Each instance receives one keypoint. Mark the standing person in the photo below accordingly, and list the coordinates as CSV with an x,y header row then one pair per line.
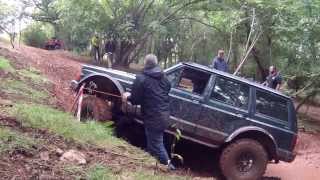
x,y
274,79
151,91
95,42
110,48
219,63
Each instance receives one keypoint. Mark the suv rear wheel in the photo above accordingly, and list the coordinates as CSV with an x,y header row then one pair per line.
x,y
245,159
95,108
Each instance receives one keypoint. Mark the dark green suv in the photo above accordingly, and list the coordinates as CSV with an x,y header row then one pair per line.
x,y
252,124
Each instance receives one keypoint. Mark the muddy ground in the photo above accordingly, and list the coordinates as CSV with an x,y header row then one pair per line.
x,y
61,67
42,161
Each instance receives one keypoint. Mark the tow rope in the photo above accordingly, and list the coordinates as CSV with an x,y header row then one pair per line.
x,y
79,98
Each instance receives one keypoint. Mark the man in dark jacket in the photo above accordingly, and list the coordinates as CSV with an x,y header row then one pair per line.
x,y
274,79
110,48
219,63
151,91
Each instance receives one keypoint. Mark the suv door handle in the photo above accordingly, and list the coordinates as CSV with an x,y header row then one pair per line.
x,y
240,115
195,101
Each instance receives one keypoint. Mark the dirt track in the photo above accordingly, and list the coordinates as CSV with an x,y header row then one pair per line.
x,y
61,67
307,163
58,66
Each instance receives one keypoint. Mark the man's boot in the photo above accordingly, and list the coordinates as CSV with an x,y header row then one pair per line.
x,y
170,166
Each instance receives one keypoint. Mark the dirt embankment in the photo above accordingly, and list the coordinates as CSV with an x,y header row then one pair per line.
x,y
61,69
43,160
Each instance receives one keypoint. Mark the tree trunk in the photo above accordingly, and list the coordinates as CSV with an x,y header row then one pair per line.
x,y
12,39
263,72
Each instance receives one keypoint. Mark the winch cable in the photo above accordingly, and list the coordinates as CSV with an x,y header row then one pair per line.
x,y
80,93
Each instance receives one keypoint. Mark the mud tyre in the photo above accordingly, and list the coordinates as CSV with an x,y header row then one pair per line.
x,y
245,159
94,108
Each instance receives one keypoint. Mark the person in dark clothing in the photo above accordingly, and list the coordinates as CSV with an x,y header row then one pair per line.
x,y
110,49
151,91
110,46
219,63
274,79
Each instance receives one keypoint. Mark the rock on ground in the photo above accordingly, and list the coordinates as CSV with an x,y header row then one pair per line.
x,y
74,156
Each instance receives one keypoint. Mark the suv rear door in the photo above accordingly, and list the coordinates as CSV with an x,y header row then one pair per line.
x,y
186,95
271,112
225,109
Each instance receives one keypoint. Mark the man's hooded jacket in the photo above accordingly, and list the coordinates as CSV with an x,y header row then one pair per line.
x,y
151,91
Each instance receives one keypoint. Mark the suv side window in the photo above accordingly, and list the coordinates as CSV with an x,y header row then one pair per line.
x,y
173,77
231,92
271,105
193,80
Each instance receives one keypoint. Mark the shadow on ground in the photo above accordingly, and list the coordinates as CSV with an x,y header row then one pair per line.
x,y
199,161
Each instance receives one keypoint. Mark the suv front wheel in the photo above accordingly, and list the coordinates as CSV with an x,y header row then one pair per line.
x,y
94,108
245,159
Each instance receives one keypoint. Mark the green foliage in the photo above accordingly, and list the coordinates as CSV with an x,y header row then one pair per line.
x,y
10,140
10,15
176,139
194,30
5,65
5,12
37,34
99,172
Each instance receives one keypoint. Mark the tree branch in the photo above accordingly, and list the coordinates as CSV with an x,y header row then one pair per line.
x,y
247,53
197,20
180,8
4,30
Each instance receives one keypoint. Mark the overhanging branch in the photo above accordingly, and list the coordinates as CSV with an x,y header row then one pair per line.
x,y
163,21
197,20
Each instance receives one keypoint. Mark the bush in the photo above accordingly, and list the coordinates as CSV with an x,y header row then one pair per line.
x,y
36,35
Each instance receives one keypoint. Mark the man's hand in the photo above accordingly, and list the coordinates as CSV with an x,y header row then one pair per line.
x,y
125,96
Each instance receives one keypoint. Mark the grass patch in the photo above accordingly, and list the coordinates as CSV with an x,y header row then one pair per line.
x,y
10,140
33,74
5,65
77,171
24,84
64,124
20,88
99,172
38,116
143,175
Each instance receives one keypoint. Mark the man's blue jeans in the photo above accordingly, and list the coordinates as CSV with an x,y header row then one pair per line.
x,y
155,145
